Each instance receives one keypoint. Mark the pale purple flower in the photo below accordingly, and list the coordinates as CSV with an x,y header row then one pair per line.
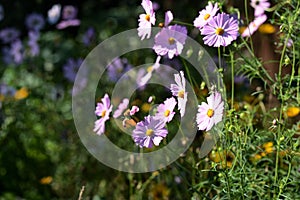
x,y
254,25
210,113
54,13
88,36
146,20
178,90
165,110
102,110
35,22
221,30
33,44
144,79
168,18
206,15
134,110
117,68
71,67
8,35
66,23
69,12
121,108
170,41
6,55
259,6
16,51
7,90
149,132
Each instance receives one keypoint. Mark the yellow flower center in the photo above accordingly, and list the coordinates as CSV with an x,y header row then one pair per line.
x,y
167,113
219,31
181,94
103,113
149,69
206,16
147,17
149,132
210,112
171,40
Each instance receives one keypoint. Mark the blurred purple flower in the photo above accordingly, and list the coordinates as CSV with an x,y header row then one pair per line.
x,y
254,25
117,68
178,90
71,67
6,55
221,30
165,110
16,50
35,22
134,110
88,36
54,13
170,41
102,110
144,79
210,113
69,12
205,15
259,6
8,35
241,79
121,108
32,43
149,132
1,12
146,20
66,23
7,90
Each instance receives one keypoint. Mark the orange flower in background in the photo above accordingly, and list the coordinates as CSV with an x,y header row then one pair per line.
x,y
225,157
159,192
292,111
267,29
21,93
46,180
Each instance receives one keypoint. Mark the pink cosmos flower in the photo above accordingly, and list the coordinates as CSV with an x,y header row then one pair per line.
x,y
210,113
165,110
121,108
259,6
221,30
205,15
148,132
254,25
145,78
178,90
146,20
170,41
102,110
168,18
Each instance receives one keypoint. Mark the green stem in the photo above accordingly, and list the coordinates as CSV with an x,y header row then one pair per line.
x,y
232,78
182,23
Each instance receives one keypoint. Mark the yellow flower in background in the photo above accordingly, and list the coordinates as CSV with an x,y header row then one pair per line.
x,y
267,28
2,97
292,111
268,147
226,158
46,180
159,192
21,93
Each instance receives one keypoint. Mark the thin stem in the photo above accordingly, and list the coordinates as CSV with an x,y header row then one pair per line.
x,y
232,78
182,23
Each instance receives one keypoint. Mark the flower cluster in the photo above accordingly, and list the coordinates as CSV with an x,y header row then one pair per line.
x,y
218,29
260,17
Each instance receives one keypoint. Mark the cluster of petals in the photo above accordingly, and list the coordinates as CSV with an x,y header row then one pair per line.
x,y
146,20
102,110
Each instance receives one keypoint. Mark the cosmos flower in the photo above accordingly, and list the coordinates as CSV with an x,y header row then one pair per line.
x,y
148,132
178,90
205,15
221,30
102,110
88,36
134,110
144,79
71,67
259,6
168,18
54,14
35,22
170,41
165,110
146,20
117,68
66,23
210,113
121,108
253,26
8,35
